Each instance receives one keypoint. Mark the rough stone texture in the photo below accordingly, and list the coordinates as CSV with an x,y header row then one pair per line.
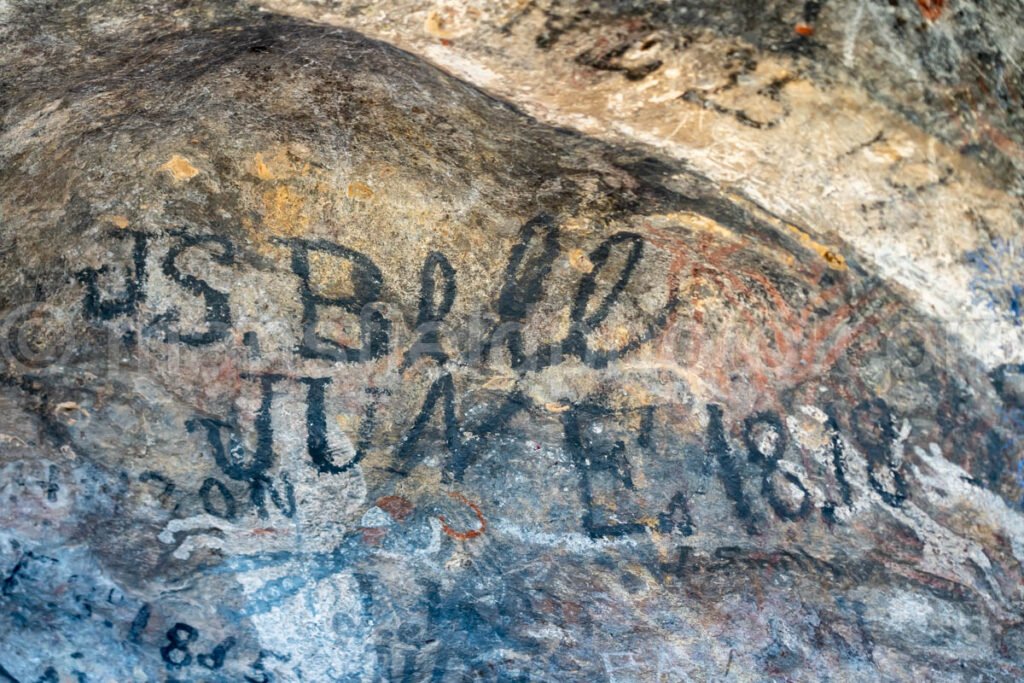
x,y
891,125
322,364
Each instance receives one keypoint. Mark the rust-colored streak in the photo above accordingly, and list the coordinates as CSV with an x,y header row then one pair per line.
x,y
931,9
464,535
805,30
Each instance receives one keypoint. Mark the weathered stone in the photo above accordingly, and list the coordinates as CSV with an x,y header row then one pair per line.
x,y
890,125
321,364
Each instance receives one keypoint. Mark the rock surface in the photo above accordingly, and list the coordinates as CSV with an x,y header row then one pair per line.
x,y
323,364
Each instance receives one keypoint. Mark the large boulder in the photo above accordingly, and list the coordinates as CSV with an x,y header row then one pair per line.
x,y
321,364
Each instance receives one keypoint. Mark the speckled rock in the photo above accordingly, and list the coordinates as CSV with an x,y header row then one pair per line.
x,y
321,364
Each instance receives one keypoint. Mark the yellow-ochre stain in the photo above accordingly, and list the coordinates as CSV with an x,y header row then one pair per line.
x,y
117,220
832,257
437,26
698,222
292,192
576,224
280,163
261,169
620,336
358,190
651,522
609,339
180,168
579,261
285,212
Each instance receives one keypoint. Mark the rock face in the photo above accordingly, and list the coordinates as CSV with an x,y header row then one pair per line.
x,y
890,124
321,364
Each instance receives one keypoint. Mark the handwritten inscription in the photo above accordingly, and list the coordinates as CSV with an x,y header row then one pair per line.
x,y
598,441
530,261
604,470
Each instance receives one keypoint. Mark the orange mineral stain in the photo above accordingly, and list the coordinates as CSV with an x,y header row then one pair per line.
x,y
805,30
579,260
261,169
285,211
931,9
358,190
117,220
180,168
